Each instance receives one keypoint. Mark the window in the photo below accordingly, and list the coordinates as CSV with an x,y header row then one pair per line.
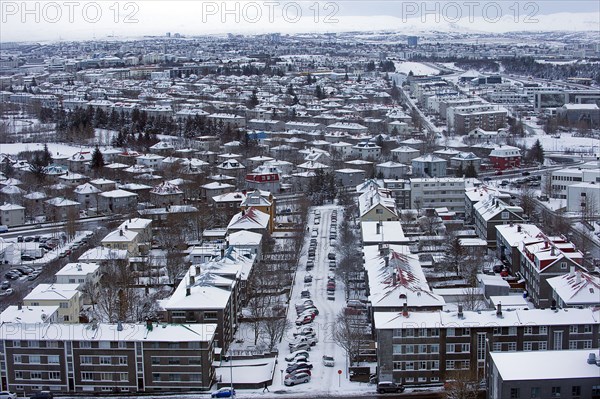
x,y
18,375
105,360
574,329
155,377
18,358
196,360
104,344
504,215
33,344
397,365
449,364
35,375
87,376
155,360
555,392
174,360
528,330
397,332
66,318
435,332
195,377
543,330
512,346
173,345
576,391
410,332
122,360
535,392
409,349
512,330
63,305
85,344
85,359
587,344
497,331
53,359
450,332
515,393
106,376
572,344
16,344
396,349
435,365
422,348
409,365
435,348
123,377
527,346
35,359
542,345
122,345
595,390
497,347
51,344
450,348
54,375
423,365
174,377
466,348
587,328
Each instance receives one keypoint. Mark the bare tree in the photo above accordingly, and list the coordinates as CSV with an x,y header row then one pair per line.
x,y
461,385
471,299
346,269
527,201
71,222
258,307
348,334
589,207
274,329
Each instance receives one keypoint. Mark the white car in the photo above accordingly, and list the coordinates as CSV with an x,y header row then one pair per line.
x,y
8,395
297,354
328,361
293,379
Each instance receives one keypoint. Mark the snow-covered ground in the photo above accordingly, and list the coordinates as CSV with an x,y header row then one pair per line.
x,y
54,148
417,68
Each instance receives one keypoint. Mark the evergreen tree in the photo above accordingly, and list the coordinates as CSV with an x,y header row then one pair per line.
x,y
536,152
253,100
459,171
470,171
46,157
359,79
290,90
97,159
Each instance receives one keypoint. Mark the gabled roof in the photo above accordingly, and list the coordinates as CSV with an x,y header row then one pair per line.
x,y
86,188
250,219
577,288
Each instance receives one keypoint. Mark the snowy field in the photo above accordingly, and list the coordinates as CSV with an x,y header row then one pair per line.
x,y
417,68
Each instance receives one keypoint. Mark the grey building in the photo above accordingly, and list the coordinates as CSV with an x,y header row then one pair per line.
x,y
571,374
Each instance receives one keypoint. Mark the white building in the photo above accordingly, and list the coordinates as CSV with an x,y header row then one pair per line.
x,y
445,192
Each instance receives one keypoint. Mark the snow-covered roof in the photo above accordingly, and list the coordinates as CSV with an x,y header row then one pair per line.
x,y
250,219
166,188
577,288
77,269
244,237
514,234
372,198
60,201
509,318
105,331
99,254
387,232
117,194
86,188
28,314
52,292
397,280
120,235
11,207
545,365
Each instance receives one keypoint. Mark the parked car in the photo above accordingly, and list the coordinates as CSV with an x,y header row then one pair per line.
x,y
389,387
302,346
5,285
307,319
312,341
27,258
308,278
331,295
298,359
293,379
42,395
7,292
297,354
32,276
297,366
525,173
226,392
305,294
11,275
310,264
8,395
328,361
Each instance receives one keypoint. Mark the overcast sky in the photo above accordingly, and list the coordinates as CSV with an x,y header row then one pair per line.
x,y
56,20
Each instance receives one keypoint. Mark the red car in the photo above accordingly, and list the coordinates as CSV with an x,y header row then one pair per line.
x,y
307,319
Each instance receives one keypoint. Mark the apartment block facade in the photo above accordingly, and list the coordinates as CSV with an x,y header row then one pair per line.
x,y
431,347
106,358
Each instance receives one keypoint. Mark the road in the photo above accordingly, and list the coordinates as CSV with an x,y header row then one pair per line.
x,y
51,227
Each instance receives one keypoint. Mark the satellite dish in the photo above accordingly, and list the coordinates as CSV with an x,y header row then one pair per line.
x,y
44,316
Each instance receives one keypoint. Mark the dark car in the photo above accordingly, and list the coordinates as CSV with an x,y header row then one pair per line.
x,y
5,285
298,366
224,393
389,387
525,173
12,276
42,395
27,258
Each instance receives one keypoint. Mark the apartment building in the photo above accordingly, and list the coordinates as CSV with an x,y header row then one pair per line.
x,y
563,178
538,375
543,259
65,296
12,215
430,347
446,192
98,358
493,212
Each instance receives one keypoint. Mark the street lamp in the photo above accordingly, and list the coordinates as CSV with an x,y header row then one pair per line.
x,y
281,370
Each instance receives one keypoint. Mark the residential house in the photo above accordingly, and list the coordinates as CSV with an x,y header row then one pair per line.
x,y
250,219
87,195
78,273
576,289
445,192
123,239
505,157
65,296
428,166
166,194
60,209
117,201
377,205
12,215
492,212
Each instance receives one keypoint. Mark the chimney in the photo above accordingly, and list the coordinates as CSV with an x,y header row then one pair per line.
x,y
553,306
460,312
120,232
20,306
188,291
197,270
378,228
126,228
405,309
552,251
243,212
578,277
394,279
572,271
119,326
148,324
387,261
192,279
222,252
519,228
499,310
591,358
